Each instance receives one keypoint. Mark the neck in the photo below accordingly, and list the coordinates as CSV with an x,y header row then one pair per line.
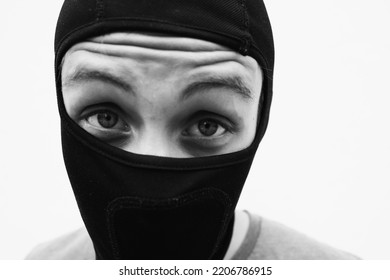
x,y
240,228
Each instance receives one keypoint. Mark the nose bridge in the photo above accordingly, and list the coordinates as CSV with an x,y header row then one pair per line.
x,y
154,140
156,102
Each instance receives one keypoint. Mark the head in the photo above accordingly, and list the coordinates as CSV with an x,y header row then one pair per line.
x,y
162,95
162,105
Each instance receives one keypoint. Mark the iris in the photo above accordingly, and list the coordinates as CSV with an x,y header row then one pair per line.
x,y
107,119
208,127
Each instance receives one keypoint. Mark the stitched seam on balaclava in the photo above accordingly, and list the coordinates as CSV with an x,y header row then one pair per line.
x,y
246,42
99,9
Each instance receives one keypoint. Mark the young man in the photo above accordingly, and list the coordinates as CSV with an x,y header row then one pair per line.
x,y
163,105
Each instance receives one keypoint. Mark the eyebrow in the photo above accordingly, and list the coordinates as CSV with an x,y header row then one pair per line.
x,y
85,75
233,83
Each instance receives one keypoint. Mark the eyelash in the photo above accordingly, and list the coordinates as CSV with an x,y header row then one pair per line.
x,y
110,135
190,139
107,112
228,127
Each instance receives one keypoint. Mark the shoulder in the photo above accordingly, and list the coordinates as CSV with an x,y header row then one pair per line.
x,y
76,245
277,241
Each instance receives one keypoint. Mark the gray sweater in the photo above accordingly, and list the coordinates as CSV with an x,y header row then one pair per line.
x,y
264,240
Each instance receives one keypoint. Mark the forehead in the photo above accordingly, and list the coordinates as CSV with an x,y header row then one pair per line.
x,y
158,56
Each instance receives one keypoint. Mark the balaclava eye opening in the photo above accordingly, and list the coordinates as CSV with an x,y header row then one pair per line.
x,y
148,207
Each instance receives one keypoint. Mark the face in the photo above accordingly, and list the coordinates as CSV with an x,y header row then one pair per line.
x,y
163,96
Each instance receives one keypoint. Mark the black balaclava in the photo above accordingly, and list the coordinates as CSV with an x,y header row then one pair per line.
x,y
148,207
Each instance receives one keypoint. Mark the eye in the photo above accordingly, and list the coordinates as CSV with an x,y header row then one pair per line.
x,y
105,119
105,123
208,133
206,128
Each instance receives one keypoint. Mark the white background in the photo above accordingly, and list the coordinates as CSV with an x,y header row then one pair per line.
x,y
323,167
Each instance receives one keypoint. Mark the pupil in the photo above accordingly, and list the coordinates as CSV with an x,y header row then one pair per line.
x,y
107,120
207,127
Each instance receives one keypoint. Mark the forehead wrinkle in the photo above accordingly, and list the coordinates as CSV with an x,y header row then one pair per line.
x,y
178,60
158,41
242,74
209,52
143,54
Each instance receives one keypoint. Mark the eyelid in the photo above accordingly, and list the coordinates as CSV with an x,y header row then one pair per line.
x,y
101,107
212,141
225,122
199,145
199,136
93,110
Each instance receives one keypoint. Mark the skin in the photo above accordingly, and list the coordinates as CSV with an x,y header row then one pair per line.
x,y
162,96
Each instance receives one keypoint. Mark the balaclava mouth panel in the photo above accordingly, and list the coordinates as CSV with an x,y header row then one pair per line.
x,y
148,207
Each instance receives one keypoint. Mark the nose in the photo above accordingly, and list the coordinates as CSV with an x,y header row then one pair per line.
x,y
155,142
